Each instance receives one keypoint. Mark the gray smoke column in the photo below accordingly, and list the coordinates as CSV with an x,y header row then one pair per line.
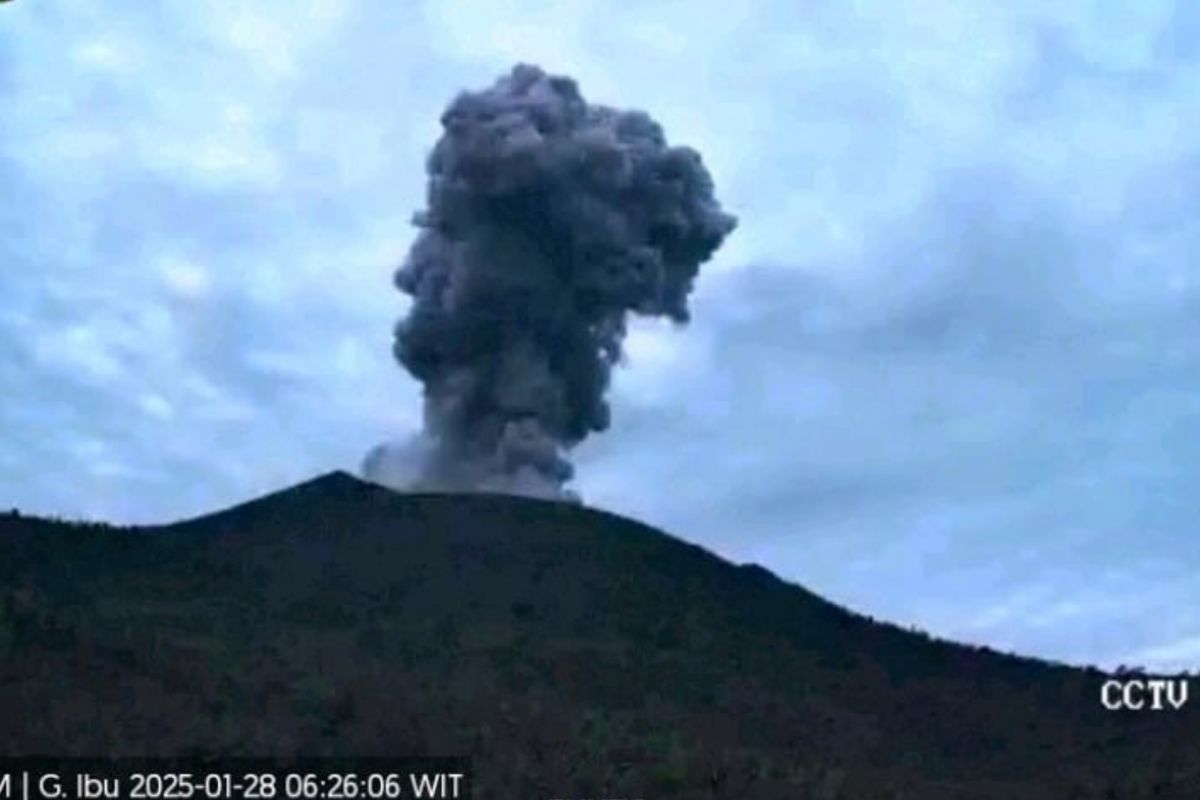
x,y
548,221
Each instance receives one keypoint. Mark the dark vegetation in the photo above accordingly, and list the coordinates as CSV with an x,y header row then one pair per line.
x,y
570,653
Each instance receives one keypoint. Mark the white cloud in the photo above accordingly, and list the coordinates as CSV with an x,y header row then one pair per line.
x,y
266,42
78,350
184,279
157,406
1173,656
107,55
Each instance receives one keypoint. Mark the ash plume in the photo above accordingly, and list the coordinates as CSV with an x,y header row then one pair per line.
x,y
548,220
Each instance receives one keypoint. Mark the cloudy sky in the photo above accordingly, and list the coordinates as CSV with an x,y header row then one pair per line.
x,y
945,372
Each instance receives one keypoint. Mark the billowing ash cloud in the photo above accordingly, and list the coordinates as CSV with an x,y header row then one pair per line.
x,y
548,220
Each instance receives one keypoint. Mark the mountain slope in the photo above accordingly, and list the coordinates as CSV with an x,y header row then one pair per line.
x,y
569,651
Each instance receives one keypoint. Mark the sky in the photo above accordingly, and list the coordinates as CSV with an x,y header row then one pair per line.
x,y
944,372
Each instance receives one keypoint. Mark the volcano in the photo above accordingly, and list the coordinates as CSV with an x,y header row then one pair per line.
x,y
567,651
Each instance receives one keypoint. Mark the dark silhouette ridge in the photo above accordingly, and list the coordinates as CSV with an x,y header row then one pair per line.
x,y
569,651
